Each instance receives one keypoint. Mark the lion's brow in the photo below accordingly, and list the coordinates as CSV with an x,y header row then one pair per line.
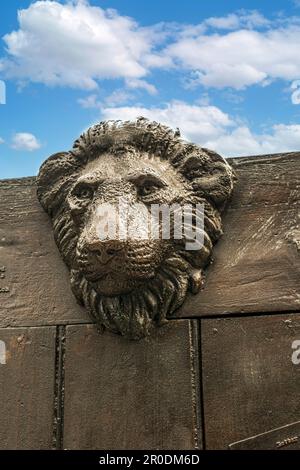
x,y
91,178
140,175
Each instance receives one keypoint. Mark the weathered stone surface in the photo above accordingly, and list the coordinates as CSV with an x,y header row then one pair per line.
x,y
128,278
256,264
250,383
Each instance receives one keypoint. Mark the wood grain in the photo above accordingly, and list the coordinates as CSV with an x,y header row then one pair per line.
x,y
131,395
256,265
27,388
34,276
250,383
118,394
284,438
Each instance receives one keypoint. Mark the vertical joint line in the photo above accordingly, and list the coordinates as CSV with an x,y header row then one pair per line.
x,y
58,424
201,382
196,403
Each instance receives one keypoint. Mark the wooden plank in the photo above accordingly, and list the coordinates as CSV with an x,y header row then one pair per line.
x,y
256,264
131,395
35,281
251,386
27,388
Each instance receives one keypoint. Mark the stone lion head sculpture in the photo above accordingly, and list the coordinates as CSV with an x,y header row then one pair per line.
x,y
130,284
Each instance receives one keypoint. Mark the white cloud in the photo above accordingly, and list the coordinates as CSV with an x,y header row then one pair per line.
x,y
90,101
295,97
239,58
242,19
212,128
25,141
1,141
203,100
224,22
241,141
143,84
75,44
197,123
116,98
232,97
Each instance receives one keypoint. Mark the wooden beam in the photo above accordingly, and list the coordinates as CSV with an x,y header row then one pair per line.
x,y
256,265
132,395
27,388
250,383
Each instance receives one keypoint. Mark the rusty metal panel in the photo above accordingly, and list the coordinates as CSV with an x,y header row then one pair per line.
x,y
27,376
251,381
131,395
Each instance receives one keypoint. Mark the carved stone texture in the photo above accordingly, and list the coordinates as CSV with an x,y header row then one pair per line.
x,y
130,284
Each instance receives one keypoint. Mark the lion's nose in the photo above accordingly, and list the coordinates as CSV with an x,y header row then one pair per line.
x,y
105,250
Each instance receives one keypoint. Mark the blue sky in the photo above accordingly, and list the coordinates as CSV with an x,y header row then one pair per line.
x,y
227,73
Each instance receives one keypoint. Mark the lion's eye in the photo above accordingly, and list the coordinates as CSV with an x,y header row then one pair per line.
x,y
147,189
84,192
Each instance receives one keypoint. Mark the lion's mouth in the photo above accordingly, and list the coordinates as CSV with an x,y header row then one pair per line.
x,y
108,281
94,277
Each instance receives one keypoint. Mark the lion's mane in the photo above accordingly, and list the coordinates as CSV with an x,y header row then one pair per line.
x,y
210,180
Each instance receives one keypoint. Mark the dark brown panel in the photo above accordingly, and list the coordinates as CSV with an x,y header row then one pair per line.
x,y
284,438
256,264
251,385
35,279
131,395
27,388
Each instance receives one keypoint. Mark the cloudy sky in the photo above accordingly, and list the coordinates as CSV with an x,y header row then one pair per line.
x,y
227,73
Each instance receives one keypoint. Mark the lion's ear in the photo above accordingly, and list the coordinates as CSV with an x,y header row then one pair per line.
x,y
53,178
210,176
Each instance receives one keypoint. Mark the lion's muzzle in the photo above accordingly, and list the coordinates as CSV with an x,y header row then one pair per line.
x,y
113,258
